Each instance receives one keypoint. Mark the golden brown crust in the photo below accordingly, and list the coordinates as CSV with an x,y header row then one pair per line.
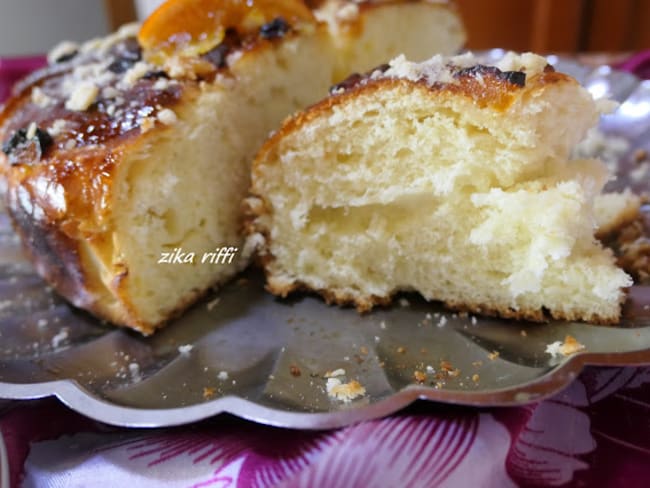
x,y
367,303
492,91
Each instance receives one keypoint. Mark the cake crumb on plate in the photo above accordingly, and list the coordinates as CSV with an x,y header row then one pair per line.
x,y
566,348
346,392
335,373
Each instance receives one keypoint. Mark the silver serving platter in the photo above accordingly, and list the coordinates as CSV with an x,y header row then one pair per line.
x,y
257,357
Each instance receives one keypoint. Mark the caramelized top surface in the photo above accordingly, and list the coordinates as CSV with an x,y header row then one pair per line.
x,y
486,85
65,128
194,27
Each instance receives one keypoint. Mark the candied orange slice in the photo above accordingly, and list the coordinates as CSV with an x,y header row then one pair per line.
x,y
193,27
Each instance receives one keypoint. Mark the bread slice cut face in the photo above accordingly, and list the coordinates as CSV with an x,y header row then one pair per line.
x,y
448,177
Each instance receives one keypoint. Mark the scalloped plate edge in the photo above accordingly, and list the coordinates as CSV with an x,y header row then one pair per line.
x,y
80,400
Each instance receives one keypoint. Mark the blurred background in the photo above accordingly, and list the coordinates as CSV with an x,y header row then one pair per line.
x,y
566,26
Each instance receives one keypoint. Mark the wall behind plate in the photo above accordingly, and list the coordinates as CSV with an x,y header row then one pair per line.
x,y
34,26
145,7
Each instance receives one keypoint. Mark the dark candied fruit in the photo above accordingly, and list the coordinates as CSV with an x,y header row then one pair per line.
x,y
217,56
350,82
355,79
17,138
154,75
382,68
515,77
120,66
44,139
128,49
41,142
275,29
66,57
126,53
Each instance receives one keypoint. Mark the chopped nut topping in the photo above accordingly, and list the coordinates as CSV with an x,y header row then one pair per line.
x,y
31,131
57,127
167,116
40,98
147,123
62,52
136,72
83,96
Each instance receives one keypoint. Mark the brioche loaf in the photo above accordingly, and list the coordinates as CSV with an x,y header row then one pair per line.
x,y
126,160
448,177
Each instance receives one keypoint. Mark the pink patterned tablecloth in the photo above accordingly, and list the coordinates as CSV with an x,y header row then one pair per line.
x,y
595,433
13,69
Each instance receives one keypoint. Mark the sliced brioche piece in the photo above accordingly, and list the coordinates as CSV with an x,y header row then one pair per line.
x,y
127,159
447,177
369,32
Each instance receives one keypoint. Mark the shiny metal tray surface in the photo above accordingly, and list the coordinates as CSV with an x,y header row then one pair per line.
x,y
244,352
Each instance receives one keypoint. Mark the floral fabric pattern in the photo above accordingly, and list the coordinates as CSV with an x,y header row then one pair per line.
x,y
594,433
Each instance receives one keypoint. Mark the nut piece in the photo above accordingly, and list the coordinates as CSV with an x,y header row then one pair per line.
x,y
167,116
83,96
